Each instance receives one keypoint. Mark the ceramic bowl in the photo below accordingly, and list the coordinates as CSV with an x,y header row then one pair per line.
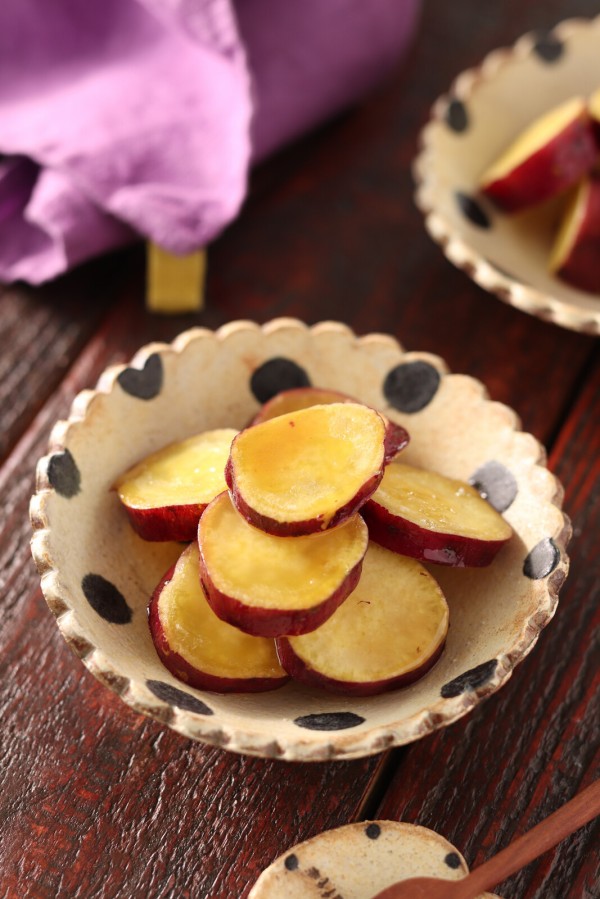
x,y
484,110
97,575
359,860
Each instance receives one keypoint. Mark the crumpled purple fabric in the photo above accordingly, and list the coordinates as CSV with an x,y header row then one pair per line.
x,y
123,118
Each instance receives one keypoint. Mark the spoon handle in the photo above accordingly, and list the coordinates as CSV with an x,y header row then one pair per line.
x,y
569,818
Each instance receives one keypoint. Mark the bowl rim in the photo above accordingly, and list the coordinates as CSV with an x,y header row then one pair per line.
x,y
457,249
337,744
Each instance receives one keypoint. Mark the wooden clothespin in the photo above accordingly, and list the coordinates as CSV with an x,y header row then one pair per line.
x,y
174,284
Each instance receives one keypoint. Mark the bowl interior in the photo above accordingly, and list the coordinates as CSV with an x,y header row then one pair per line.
x,y
490,108
99,574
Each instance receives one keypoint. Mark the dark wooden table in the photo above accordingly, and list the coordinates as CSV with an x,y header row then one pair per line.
x,y
97,801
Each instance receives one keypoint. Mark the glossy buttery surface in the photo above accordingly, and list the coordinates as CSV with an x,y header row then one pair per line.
x,y
203,640
439,504
183,473
276,572
307,464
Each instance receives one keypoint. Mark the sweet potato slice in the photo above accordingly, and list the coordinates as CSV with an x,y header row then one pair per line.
x,y
435,519
594,110
309,470
165,494
305,397
200,649
269,585
389,632
298,398
547,158
576,253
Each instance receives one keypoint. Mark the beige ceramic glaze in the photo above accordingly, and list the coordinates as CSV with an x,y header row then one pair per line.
x,y
509,90
360,860
97,575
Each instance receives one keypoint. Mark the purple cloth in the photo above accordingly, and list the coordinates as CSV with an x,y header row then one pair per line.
x,y
131,117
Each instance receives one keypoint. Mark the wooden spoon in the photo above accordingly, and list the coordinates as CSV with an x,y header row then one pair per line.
x,y
562,823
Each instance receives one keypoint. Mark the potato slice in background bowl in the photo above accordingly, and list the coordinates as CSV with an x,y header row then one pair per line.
x,y
485,110
576,253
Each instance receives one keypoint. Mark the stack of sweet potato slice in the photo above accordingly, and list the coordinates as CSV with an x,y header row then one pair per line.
x,y
306,542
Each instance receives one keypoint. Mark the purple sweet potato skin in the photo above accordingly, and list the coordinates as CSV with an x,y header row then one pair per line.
x,y
409,539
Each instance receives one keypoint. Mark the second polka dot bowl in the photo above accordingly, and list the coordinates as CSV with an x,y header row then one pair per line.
x,y
485,109
359,860
97,575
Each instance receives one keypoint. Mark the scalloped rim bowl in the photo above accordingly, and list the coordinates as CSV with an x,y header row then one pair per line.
x,y
483,112
360,860
97,575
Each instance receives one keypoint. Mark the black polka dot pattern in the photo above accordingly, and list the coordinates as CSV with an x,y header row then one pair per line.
x,y
373,831
496,484
452,860
411,386
472,211
470,680
105,599
329,721
179,698
275,375
291,862
145,383
548,47
63,474
457,116
542,560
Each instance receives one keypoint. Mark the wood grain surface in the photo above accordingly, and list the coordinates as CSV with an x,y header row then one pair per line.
x,y
97,801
